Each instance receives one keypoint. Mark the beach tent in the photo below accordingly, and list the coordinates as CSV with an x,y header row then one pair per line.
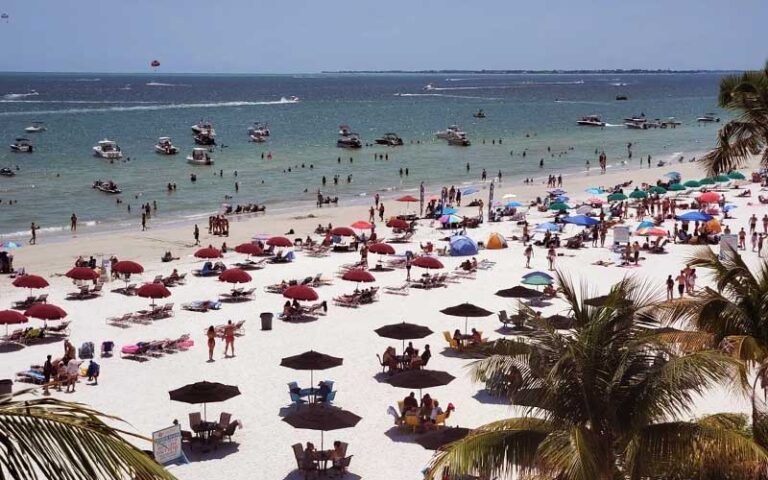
x,y
462,246
537,278
495,242
581,220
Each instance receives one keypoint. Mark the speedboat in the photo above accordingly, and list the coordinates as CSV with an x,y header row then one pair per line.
x,y
591,121
259,129
448,132
7,172
429,86
165,146
22,145
257,138
455,136
390,139
347,138
480,114
708,118
107,186
671,122
205,138
636,124
199,157
36,127
636,119
203,127
108,149
621,97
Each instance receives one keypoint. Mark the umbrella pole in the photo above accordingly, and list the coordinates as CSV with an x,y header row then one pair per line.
x,y
312,384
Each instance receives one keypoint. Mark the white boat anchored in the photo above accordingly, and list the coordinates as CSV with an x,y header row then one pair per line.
x,y
708,118
36,127
164,146
348,139
591,121
107,186
203,127
260,129
108,149
199,156
22,145
455,136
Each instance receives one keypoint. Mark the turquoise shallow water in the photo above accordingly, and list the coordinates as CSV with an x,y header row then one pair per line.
x,y
529,112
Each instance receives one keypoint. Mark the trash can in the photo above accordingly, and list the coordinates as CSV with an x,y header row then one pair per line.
x,y
6,386
266,320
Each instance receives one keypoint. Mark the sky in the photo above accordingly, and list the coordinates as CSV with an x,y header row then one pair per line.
x,y
304,36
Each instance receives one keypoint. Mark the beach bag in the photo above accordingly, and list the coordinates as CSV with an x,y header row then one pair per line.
x,y
106,348
86,350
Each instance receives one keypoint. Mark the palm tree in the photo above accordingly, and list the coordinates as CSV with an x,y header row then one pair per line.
x,y
746,94
49,438
605,402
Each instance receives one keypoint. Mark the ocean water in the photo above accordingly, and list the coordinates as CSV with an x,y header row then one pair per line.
x,y
528,112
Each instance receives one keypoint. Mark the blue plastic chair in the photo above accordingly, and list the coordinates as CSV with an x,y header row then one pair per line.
x,y
331,397
292,385
296,399
329,383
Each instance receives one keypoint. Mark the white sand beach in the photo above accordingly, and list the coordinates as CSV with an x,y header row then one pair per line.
x,y
138,391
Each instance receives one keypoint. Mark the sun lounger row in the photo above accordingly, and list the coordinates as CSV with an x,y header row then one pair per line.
x,y
29,301
142,316
238,295
305,314
209,269
128,290
143,351
33,335
361,297
316,281
86,293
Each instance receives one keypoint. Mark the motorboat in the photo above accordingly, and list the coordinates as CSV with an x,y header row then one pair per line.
x,y
448,132
205,138
708,118
36,127
107,186
390,139
429,86
199,156
671,122
347,138
479,114
257,138
22,145
621,97
164,146
636,124
203,127
260,129
455,136
108,149
636,119
7,172
591,121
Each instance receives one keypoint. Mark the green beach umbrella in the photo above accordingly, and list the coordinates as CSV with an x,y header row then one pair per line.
x,y
638,194
616,197
692,184
736,176
557,206
657,189
537,279
676,187
722,178
707,181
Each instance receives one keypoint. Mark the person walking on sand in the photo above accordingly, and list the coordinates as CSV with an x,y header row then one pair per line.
x,y
33,230
229,338
211,334
381,212
372,213
196,234
73,223
528,255
681,282
143,221
742,239
408,266
670,288
765,223
551,255
47,372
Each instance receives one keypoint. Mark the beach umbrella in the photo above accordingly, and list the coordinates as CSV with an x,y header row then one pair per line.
x,y
427,262
709,197
30,281
638,194
8,245
358,275
205,393
301,292
595,201
342,232
362,225
537,278
403,331
562,199
582,220
127,267
729,207
235,275
658,190
672,175
462,246
677,187
82,273
692,184
652,232
513,204
321,417
713,226
560,322
153,291
707,181
249,249
407,199
311,360
469,191
736,176
645,224
495,241
595,191
722,178
45,311
208,252
548,226
617,197
382,248
556,191
557,206
450,219
420,379
398,224
447,211
694,216
279,242
519,292
11,317
441,437
466,310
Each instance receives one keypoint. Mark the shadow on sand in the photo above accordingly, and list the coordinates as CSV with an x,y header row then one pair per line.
x,y
484,396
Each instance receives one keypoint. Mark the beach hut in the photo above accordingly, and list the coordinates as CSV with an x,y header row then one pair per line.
x,y
495,242
462,246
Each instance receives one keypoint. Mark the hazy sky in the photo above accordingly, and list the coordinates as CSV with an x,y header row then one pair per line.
x,y
314,35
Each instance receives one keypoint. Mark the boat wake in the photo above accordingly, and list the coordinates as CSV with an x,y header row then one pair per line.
x,y
431,87
138,108
161,84
444,95
13,96
88,80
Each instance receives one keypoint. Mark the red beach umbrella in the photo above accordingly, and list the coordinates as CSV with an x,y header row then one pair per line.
x,y
279,242
408,199
709,197
301,292
343,232
427,262
82,273
45,311
127,267
208,252
30,281
153,291
235,275
382,248
249,249
362,225
398,223
11,317
358,275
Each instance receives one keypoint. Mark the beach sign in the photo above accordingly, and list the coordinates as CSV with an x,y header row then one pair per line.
x,y
166,445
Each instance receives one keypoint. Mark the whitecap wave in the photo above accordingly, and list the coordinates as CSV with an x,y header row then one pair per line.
x,y
87,79
13,96
162,84
135,108
618,84
82,102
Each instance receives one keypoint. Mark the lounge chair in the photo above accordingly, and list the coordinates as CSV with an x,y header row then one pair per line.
x,y
129,290
24,304
201,305
503,318
401,290
406,238
451,341
342,465
121,321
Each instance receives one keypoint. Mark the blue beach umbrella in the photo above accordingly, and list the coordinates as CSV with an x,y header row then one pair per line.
x,y
582,220
547,226
513,204
694,217
595,191
562,199
672,175
469,191
645,224
462,246
729,207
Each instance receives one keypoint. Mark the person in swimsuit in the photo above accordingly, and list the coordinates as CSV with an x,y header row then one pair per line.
x,y
211,334
229,338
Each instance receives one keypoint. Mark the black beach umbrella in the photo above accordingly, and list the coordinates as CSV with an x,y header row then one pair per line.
x,y
560,322
323,418
466,310
438,438
204,392
421,379
403,331
311,361
603,300
519,292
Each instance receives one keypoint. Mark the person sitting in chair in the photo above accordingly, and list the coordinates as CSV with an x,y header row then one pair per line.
x,y
410,404
322,392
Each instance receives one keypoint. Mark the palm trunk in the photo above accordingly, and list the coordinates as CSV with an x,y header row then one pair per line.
x,y
759,416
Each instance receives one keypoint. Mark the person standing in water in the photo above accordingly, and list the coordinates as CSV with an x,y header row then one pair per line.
x,y
33,230
73,223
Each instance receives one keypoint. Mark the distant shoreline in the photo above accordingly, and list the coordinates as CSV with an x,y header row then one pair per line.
x,y
531,72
